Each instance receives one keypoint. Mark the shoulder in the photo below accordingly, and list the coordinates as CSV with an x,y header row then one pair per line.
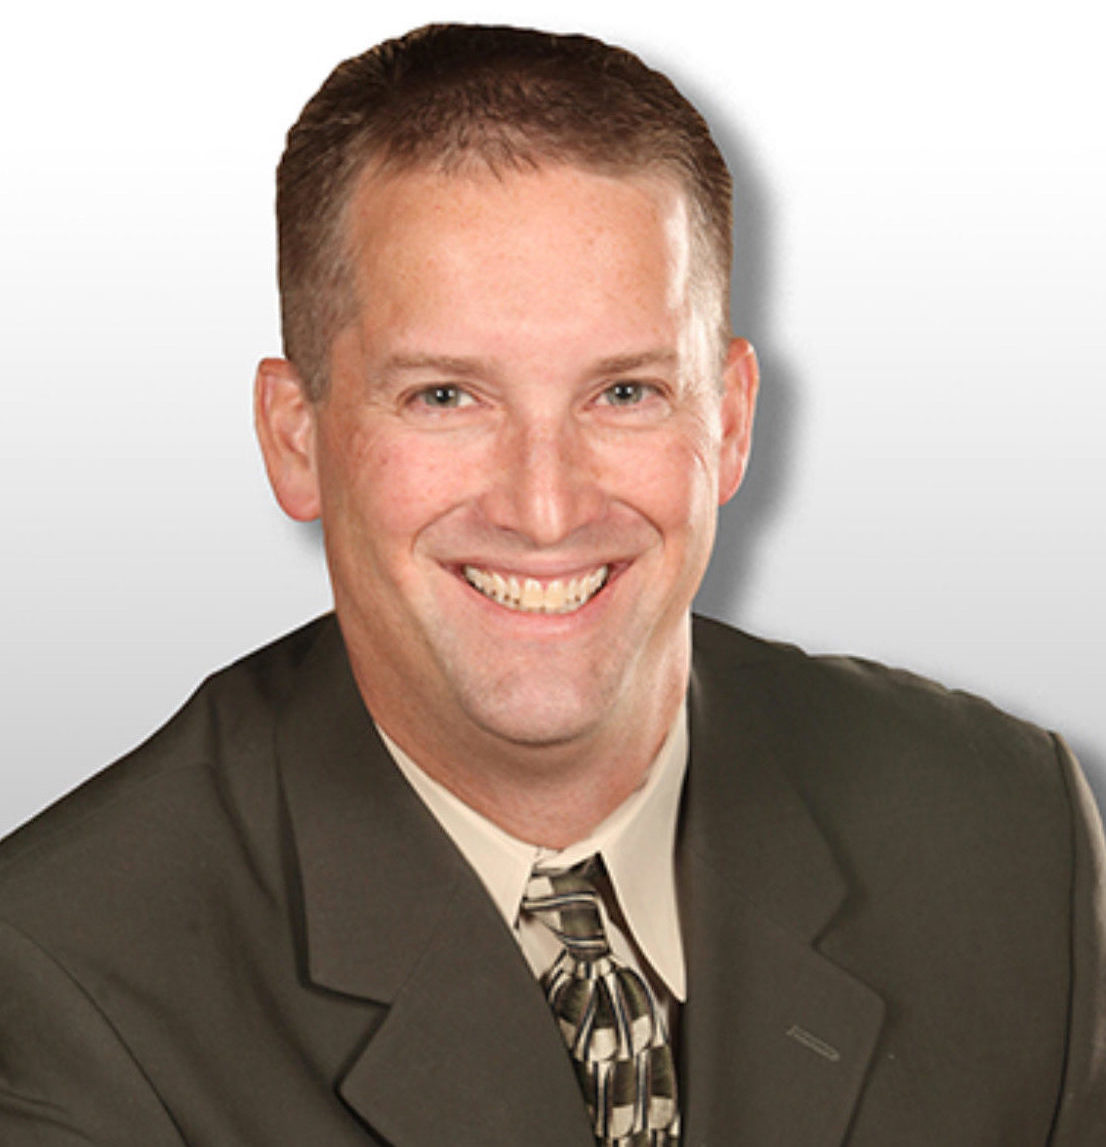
x,y
945,814
875,750
852,699
203,782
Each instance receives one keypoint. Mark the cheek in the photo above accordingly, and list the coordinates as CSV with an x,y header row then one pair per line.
x,y
671,478
389,485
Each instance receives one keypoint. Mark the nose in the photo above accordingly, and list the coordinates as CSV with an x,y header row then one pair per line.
x,y
546,484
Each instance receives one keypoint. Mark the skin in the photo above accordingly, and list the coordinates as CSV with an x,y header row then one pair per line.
x,y
527,390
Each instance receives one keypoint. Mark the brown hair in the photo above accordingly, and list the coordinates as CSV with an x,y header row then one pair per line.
x,y
446,96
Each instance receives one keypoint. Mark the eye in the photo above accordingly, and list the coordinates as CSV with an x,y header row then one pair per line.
x,y
443,397
627,393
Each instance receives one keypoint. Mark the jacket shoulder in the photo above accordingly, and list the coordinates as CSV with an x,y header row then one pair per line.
x,y
856,701
215,747
883,756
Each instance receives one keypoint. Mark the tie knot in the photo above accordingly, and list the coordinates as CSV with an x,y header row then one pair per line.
x,y
567,903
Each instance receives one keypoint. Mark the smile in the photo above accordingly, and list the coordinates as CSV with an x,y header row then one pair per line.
x,y
528,595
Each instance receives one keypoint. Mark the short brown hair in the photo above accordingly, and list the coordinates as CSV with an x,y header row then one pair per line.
x,y
447,95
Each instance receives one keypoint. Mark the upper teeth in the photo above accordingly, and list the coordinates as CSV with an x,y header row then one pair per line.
x,y
532,596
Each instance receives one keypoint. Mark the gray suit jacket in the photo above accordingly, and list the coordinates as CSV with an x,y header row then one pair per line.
x,y
251,932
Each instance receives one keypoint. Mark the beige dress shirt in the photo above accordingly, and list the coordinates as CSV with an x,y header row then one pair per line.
x,y
637,843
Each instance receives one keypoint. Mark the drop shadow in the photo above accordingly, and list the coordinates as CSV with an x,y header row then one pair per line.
x,y
743,523
1093,762
310,536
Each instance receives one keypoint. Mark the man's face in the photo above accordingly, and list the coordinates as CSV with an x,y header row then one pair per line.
x,y
520,456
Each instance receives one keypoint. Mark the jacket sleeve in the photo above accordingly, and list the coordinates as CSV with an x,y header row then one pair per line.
x,y
66,1079
1081,1113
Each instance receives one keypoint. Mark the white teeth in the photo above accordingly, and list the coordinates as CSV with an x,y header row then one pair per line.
x,y
531,596
554,597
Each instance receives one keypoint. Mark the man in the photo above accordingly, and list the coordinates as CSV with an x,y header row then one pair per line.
x,y
505,851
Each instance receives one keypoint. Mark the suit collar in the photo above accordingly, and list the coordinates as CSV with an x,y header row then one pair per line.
x,y
743,817
377,873
637,843
776,1039
390,912
375,877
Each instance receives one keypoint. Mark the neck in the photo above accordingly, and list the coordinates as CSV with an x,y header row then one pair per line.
x,y
547,795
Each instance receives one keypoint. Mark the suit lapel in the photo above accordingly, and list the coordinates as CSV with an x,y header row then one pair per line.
x,y
466,1052
776,1039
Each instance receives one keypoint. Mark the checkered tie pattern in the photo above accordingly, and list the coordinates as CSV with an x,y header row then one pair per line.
x,y
608,1016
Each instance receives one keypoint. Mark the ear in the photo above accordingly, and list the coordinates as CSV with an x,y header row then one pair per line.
x,y
284,418
741,378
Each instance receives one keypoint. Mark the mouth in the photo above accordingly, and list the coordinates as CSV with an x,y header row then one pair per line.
x,y
531,595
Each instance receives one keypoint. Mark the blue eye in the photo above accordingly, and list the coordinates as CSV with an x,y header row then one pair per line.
x,y
443,397
627,393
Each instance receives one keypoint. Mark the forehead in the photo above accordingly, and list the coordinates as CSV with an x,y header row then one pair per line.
x,y
544,231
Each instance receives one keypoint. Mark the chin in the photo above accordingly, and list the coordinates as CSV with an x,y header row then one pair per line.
x,y
536,715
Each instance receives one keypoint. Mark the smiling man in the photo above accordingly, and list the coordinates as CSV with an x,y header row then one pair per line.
x,y
518,460
508,850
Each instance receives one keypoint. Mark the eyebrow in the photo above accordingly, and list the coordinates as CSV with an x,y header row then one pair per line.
x,y
447,364
628,363
465,367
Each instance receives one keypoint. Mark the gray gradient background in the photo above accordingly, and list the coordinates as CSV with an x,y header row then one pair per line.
x,y
921,246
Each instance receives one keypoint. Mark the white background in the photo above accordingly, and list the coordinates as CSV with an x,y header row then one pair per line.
x,y
922,191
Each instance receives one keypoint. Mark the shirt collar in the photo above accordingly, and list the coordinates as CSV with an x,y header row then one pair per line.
x,y
637,843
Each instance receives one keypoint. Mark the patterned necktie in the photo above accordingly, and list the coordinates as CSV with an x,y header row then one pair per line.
x,y
608,1016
